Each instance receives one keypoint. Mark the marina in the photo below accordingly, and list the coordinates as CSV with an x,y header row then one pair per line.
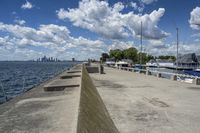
x,y
99,66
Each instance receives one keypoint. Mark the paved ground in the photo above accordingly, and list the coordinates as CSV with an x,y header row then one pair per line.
x,y
38,111
138,103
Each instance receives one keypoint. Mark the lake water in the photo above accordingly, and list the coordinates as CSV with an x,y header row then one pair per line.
x,y
19,77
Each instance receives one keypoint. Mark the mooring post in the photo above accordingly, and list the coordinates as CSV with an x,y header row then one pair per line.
x,y
148,72
101,69
196,81
174,77
159,75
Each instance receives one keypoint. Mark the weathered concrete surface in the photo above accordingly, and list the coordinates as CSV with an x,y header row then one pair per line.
x,y
61,84
74,71
145,104
92,69
38,111
69,75
93,115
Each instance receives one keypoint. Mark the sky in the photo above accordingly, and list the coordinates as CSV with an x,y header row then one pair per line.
x,y
84,29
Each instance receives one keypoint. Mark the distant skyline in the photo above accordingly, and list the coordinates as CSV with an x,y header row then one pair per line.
x,y
67,29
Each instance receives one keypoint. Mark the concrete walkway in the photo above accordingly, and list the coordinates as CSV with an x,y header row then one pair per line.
x,y
145,104
39,111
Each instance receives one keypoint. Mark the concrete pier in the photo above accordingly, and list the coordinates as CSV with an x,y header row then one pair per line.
x,y
41,111
112,102
146,104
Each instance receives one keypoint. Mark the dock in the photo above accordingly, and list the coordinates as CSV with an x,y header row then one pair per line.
x,y
85,100
140,103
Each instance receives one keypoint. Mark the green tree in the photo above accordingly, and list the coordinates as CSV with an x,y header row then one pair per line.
x,y
104,56
167,57
142,57
149,57
117,54
131,53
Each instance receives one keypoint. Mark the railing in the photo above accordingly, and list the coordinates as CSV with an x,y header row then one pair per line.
x,y
173,76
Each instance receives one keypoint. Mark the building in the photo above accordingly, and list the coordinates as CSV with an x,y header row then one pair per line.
x,y
187,61
47,59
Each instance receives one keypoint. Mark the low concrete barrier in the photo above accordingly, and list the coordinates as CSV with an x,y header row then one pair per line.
x,y
92,69
93,116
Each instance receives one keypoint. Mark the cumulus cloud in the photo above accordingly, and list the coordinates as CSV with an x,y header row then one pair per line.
x,y
161,48
137,7
195,18
27,5
109,22
52,38
120,45
20,22
147,2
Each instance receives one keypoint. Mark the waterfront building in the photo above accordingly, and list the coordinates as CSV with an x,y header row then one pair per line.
x,y
187,61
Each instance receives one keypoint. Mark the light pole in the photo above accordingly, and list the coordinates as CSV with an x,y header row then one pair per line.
x,y
141,46
177,39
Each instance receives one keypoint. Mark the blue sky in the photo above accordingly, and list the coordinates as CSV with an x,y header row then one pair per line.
x,y
84,29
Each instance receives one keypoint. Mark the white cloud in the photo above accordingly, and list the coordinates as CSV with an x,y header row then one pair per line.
x,y
120,45
162,48
20,22
52,38
140,5
195,18
196,35
27,5
110,22
137,7
134,5
147,2
99,18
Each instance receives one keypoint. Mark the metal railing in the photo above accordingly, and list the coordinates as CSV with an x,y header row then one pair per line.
x,y
159,73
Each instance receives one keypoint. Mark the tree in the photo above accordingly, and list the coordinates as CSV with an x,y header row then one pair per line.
x,y
104,56
143,57
131,53
167,57
149,57
117,54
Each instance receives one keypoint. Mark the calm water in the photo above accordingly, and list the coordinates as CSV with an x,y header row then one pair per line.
x,y
19,77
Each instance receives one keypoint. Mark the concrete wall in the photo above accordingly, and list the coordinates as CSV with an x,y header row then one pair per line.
x,y
93,116
92,69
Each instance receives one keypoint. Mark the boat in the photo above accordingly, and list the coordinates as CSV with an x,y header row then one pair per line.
x,y
191,72
124,63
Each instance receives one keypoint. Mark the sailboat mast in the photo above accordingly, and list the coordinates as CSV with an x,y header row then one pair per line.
x,y
177,39
141,45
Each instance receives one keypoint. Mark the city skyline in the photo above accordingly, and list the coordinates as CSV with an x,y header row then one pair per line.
x,y
84,29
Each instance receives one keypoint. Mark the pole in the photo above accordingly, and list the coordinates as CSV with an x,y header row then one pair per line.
x,y
141,46
177,39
